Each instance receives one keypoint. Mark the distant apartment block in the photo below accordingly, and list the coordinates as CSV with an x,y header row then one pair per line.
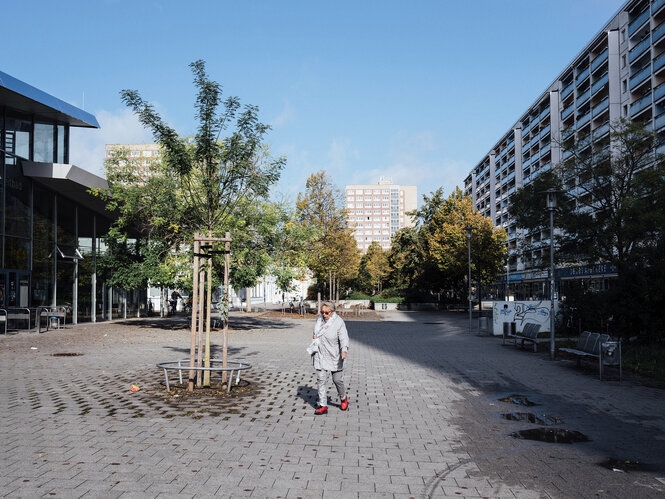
x,y
377,211
620,73
143,156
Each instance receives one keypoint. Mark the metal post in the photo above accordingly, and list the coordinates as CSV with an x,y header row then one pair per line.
x,y
469,232
552,283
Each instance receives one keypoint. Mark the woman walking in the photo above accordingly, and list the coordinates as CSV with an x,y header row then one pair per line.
x,y
333,345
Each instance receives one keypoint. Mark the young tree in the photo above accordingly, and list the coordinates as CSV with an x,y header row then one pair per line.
x,y
375,263
333,254
211,176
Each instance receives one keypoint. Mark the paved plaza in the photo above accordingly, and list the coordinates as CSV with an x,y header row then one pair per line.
x,y
425,418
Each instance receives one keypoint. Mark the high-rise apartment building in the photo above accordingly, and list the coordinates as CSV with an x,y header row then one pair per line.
x,y
620,73
377,211
142,156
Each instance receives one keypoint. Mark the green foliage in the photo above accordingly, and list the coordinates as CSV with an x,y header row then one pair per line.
x,y
357,295
611,208
331,251
212,183
386,299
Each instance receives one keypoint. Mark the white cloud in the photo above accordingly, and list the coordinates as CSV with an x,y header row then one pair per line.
x,y
87,146
285,117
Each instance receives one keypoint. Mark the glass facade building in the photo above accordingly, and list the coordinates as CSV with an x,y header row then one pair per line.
x,y
51,227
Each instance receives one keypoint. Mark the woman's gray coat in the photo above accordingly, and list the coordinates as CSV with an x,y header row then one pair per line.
x,y
333,340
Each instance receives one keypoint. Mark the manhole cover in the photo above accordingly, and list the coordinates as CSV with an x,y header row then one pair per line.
x,y
551,435
531,418
517,399
66,354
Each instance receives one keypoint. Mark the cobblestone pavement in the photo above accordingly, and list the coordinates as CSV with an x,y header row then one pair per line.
x,y
424,420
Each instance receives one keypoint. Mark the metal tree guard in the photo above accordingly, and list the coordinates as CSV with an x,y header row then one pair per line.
x,y
203,249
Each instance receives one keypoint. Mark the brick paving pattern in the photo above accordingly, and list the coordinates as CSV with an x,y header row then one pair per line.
x,y
424,420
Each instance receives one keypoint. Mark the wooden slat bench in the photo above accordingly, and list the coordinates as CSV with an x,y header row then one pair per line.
x,y
529,334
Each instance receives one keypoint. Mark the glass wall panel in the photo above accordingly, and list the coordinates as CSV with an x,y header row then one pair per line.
x,y
102,226
17,139
17,253
17,222
43,213
65,285
44,143
42,273
66,210
87,265
62,150
3,290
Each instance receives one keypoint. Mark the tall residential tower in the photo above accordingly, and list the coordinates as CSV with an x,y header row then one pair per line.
x,y
620,73
378,211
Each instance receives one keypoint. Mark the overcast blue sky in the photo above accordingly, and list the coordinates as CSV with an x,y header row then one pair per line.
x,y
416,90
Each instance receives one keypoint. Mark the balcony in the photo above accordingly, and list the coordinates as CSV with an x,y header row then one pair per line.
x,y
599,84
599,60
659,91
638,22
659,62
582,98
545,149
567,153
566,112
640,104
657,4
658,33
545,131
545,113
582,76
639,49
659,121
641,75
583,120
601,131
566,90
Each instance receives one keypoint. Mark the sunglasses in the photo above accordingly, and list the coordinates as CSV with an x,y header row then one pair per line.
x,y
323,312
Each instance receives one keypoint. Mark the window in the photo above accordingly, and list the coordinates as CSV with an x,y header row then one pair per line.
x,y
625,110
135,153
147,154
623,61
623,35
624,86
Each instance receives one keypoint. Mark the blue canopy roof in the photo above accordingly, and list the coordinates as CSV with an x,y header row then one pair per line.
x,y
23,97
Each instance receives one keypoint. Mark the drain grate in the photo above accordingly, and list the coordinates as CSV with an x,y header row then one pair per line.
x,y
66,354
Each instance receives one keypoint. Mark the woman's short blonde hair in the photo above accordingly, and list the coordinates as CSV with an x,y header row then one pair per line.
x,y
328,304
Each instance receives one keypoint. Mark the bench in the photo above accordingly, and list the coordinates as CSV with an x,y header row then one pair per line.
x,y
14,314
591,345
48,314
528,334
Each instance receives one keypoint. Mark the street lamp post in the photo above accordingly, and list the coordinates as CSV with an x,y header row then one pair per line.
x,y
469,233
551,206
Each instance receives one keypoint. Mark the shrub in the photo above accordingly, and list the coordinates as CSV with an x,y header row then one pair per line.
x,y
386,299
357,295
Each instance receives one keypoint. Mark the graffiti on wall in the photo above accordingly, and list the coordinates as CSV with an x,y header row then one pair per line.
x,y
521,313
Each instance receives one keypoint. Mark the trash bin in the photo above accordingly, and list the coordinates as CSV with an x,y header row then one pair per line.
x,y
611,354
509,328
483,323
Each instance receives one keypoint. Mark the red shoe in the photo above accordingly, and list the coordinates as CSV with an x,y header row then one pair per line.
x,y
345,404
321,410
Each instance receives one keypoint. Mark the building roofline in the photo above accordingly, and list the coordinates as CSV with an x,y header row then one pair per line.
x,y
25,97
